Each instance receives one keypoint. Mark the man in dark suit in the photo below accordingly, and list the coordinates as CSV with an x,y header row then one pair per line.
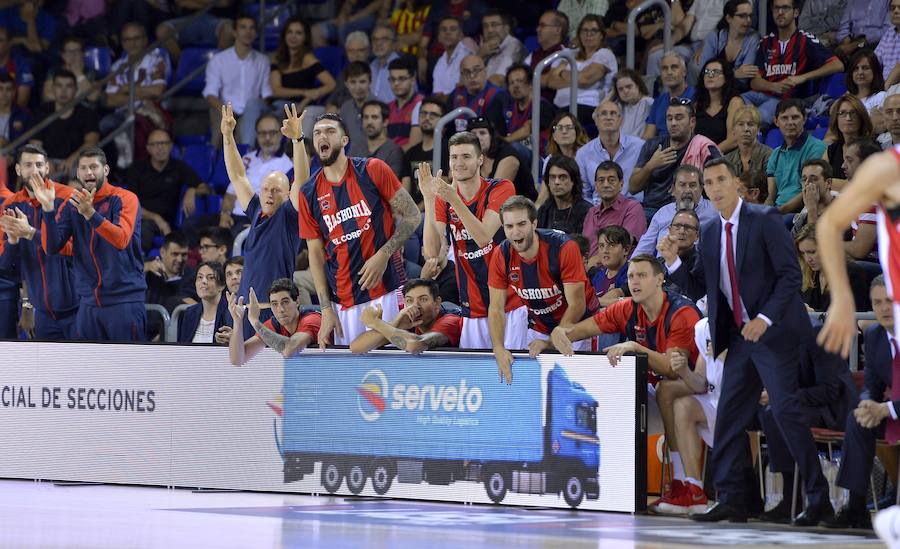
x,y
827,393
749,271
873,416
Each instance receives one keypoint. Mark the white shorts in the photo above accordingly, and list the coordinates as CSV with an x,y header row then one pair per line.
x,y
708,405
476,332
350,318
589,344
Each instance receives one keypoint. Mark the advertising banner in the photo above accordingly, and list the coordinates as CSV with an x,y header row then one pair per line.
x,y
568,432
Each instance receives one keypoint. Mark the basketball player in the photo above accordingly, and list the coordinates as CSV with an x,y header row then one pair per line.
x,y
468,210
347,217
546,270
876,181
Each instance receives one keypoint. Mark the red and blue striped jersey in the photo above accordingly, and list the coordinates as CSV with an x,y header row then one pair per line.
x,y
471,260
353,217
539,281
801,54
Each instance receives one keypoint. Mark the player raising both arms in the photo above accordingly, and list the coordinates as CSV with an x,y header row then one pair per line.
x,y
877,181
347,216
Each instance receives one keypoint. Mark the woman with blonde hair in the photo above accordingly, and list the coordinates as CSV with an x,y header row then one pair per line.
x,y
814,287
750,155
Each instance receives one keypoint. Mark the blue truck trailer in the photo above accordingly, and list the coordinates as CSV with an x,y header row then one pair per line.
x,y
439,419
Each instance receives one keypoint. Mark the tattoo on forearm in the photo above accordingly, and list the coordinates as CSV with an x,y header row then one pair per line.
x,y
399,342
402,206
270,338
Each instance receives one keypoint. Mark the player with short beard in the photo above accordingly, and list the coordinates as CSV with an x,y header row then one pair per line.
x,y
347,217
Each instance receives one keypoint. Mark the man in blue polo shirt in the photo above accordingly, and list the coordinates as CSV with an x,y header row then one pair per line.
x,y
673,73
271,247
783,170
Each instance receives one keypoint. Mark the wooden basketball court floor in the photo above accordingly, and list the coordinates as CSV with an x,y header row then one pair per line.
x,y
48,515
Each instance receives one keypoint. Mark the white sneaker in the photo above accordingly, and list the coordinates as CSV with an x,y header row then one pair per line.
x,y
887,526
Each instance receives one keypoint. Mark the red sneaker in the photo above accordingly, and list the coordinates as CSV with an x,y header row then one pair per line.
x,y
673,490
691,499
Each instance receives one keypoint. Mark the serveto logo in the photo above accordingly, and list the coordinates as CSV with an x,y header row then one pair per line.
x,y
371,394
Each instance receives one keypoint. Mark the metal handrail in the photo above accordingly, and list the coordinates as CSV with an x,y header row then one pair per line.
x,y
632,27
854,349
162,312
536,102
172,328
240,238
37,128
763,17
439,133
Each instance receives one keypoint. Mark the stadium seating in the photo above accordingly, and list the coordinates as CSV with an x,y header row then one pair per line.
x,y
98,59
200,158
191,59
774,138
332,58
219,178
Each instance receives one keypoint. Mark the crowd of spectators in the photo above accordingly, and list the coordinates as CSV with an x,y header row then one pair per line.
x,y
621,163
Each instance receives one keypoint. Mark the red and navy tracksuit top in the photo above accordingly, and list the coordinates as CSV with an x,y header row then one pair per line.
x,y
50,277
9,274
106,249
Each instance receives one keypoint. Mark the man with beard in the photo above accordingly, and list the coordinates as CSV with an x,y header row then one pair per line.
x,y
545,269
687,193
467,214
271,247
353,204
48,277
103,222
517,115
566,209
421,325
374,116
431,110
477,92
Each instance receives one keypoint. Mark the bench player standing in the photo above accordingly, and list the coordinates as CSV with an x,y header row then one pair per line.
x,y
347,216
468,210
545,268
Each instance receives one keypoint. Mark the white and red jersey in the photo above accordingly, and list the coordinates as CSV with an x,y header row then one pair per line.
x,y
888,224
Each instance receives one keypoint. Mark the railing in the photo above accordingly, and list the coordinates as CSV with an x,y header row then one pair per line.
x,y
632,27
763,17
439,132
172,328
166,318
242,236
819,316
536,103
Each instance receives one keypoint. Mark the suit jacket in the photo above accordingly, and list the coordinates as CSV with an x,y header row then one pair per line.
x,y
768,274
879,367
826,386
190,319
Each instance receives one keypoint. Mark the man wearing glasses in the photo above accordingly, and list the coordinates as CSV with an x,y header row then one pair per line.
x,y
430,111
610,144
403,120
446,74
477,92
790,62
499,49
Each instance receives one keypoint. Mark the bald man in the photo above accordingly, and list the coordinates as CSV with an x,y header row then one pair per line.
x,y
270,249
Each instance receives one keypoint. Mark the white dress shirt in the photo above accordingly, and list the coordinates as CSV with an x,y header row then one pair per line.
x,y
891,343
724,279
237,81
446,70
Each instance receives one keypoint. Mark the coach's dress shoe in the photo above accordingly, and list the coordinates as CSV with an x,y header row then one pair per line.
x,y
813,515
721,511
850,518
780,514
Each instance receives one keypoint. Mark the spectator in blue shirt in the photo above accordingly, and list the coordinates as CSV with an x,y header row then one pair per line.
x,y
673,73
30,26
17,67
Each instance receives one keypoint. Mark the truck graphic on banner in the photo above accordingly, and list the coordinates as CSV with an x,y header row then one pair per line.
x,y
439,419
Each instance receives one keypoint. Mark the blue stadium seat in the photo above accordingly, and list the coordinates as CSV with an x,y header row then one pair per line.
x,y
835,85
176,152
219,178
99,59
819,133
192,139
531,43
200,158
192,58
774,138
332,58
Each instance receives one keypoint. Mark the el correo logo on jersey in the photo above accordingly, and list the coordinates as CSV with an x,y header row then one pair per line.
x,y
360,209
373,392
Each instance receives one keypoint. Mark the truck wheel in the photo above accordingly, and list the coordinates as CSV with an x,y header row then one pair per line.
x,y
382,477
356,479
495,483
332,476
573,491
